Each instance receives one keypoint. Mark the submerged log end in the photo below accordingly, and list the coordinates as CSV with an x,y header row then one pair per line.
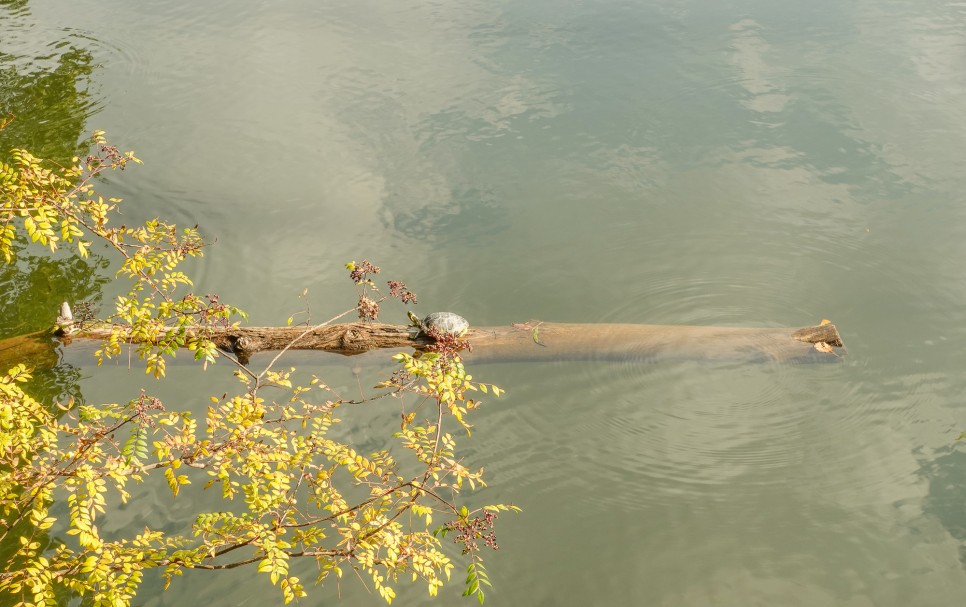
x,y
826,333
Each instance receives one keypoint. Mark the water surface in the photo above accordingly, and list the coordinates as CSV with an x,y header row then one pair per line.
x,y
743,163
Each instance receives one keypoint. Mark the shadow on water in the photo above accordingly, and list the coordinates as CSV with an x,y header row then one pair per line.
x,y
946,475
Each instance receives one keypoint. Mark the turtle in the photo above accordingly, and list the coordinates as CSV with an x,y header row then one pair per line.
x,y
443,322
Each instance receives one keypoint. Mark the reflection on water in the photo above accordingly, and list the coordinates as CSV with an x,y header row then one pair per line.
x,y
749,164
756,76
947,493
33,287
44,85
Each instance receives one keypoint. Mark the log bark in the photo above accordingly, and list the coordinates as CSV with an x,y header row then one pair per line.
x,y
532,341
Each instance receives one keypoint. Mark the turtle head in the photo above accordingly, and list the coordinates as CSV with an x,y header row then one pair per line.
x,y
413,319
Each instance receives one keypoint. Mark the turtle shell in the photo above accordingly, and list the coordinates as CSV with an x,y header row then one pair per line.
x,y
446,322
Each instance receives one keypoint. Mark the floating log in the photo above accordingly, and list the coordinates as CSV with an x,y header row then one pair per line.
x,y
531,341
556,341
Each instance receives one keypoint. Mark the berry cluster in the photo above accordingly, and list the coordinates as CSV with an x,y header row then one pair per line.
x,y
361,270
400,290
143,405
212,313
446,344
368,309
470,530
108,156
85,312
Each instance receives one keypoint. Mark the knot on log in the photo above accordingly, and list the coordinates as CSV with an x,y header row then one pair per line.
x,y
244,344
355,341
241,346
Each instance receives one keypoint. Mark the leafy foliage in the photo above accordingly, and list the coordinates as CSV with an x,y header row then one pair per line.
x,y
290,487
55,206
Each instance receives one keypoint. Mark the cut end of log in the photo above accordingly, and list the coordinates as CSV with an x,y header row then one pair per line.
x,y
826,333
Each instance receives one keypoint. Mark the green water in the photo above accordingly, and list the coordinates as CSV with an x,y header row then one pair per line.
x,y
714,163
